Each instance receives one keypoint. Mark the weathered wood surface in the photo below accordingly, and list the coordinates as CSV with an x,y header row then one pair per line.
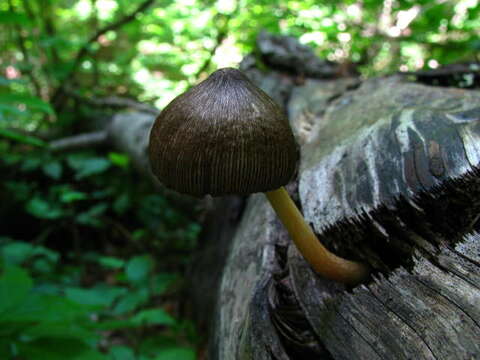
x,y
388,176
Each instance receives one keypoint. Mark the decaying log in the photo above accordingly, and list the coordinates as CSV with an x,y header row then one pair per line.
x,y
130,131
286,53
388,176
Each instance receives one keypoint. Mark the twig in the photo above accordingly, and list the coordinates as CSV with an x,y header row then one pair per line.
x,y
84,49
222,34
87,140
112,101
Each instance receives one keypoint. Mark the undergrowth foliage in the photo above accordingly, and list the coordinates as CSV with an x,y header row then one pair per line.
x,y
91,260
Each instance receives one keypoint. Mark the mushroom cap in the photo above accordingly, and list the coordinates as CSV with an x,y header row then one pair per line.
x,y
223,136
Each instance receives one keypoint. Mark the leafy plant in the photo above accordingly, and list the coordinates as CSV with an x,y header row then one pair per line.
x,y
87,284
45,313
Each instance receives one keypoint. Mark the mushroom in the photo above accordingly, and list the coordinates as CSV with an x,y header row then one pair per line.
x,y
226,136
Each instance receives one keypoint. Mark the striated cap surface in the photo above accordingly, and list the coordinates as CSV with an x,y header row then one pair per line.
x,y
223,136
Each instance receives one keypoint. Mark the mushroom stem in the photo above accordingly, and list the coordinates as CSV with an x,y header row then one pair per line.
x,y
323,261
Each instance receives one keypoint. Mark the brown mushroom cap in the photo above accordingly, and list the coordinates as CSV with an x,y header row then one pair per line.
x,y
223,136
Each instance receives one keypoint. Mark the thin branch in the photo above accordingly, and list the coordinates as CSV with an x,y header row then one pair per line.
x,y
81,141
222,34
83,51
113,101
85,48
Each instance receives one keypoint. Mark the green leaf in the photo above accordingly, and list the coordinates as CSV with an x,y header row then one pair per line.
x,y
42,265
121,353
40,311
153,317
58,349
102,194
31,163
161,282
176,353
25,139
131,301
16,253
42,209
69,196
90,217
31,102
153,345
15,283
59,330
138,268
139,234
111,262
121,204
87,166
55,309
53,169
121,160
99,296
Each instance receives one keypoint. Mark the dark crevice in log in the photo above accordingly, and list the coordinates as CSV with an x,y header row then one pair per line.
x,y
287,54
281,255
388,236
357,327
342,335
348,88
258,335
295,332
464,76
271,354
287,316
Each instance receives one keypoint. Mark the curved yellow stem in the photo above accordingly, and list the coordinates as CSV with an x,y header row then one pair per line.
x,y
320,258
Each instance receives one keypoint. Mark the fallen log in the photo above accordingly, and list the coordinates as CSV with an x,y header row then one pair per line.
x,y
388,176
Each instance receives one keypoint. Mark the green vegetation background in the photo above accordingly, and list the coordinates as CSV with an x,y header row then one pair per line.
x,y
92,259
